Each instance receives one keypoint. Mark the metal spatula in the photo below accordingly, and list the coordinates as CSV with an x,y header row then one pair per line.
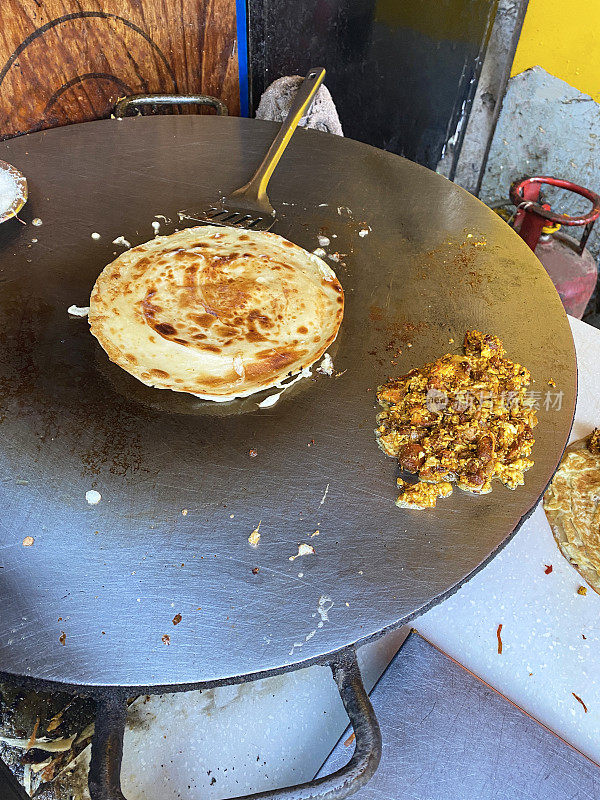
x,y
249,206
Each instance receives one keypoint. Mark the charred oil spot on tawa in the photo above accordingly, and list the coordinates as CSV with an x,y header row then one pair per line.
x,y
21,334
56,391
460,257
397,334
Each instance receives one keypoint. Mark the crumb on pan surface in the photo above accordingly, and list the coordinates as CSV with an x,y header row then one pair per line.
x,y
462,418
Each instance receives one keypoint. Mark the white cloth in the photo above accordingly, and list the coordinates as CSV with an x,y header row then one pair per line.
x,y
278,97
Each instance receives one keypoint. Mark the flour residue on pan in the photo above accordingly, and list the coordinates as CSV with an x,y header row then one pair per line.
x,y
270,401
324,606
78,311
326,366
93,497
323,609
303,550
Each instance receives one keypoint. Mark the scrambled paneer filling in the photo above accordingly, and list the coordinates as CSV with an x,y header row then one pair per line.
x,y
463,419
593,442
420,494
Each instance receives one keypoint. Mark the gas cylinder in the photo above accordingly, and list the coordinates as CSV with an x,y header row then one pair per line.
x,y
568,262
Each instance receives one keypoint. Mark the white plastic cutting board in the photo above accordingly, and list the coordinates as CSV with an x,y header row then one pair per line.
x,y
544,657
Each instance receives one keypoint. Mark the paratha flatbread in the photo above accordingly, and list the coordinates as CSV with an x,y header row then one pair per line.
x,y
216,312
572,506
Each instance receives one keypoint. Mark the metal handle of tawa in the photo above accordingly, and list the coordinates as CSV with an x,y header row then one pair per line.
x,y
134,102
107,745
256,188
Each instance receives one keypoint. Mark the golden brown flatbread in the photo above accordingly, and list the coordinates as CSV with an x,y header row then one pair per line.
x,y
216,312
572,505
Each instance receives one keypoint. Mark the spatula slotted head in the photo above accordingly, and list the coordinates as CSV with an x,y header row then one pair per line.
x,y
235,218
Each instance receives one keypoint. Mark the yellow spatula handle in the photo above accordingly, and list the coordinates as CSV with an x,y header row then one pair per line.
x,y
257,185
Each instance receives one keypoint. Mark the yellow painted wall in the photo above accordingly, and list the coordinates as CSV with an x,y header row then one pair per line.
x,y
563,37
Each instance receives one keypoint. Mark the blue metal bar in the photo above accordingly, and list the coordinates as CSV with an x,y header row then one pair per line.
x,y
242,46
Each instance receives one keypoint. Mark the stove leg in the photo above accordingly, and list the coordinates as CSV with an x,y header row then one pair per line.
x,y
104,778
107,745
367,753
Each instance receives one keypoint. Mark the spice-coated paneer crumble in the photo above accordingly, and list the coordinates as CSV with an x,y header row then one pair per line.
x,y
463,419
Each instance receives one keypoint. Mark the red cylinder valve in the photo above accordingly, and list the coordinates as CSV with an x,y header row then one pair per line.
x,y
573,269
532,216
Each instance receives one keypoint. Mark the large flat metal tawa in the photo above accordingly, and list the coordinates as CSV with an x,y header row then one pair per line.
x,y
94,599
